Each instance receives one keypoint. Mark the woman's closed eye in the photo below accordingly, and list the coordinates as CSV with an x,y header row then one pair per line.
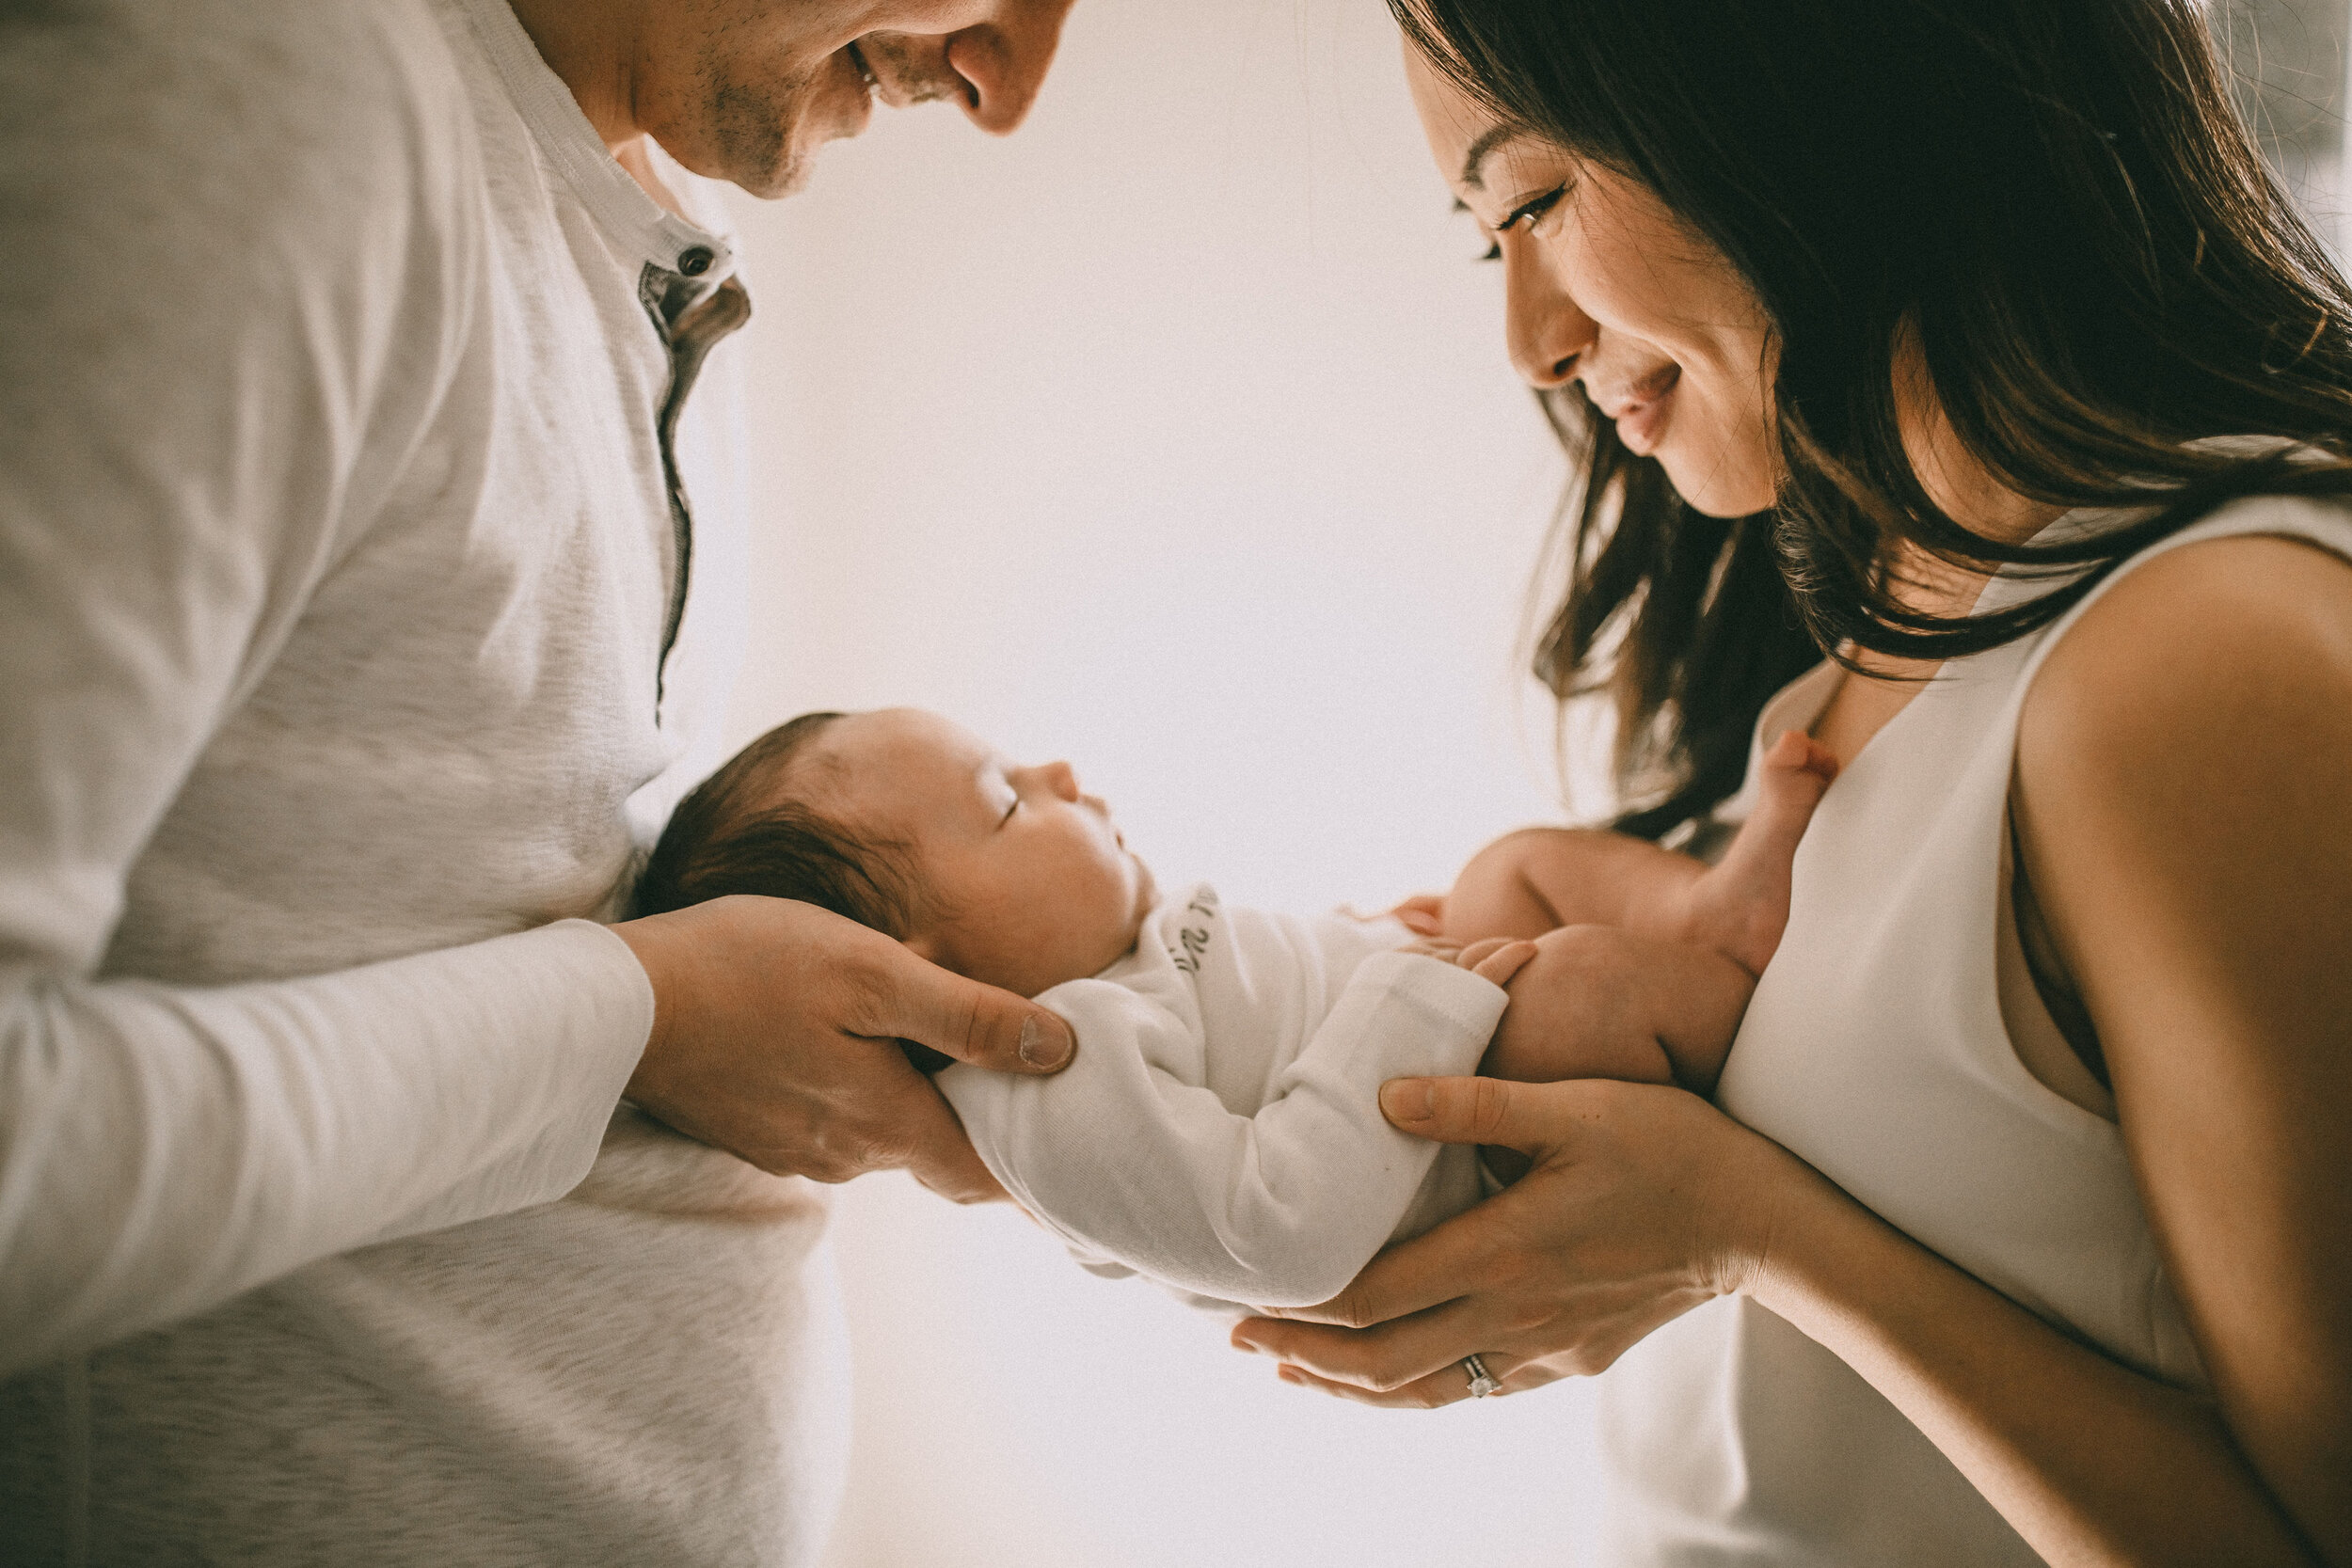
x,y
1528,213
1531,210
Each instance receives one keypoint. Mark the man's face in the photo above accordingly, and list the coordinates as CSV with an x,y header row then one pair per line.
x,y
747,91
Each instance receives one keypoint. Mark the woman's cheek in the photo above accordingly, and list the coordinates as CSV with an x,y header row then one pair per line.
x,y
1727,451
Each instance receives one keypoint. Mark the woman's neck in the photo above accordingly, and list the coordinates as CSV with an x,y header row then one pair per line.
x,y
1955,478
1965,491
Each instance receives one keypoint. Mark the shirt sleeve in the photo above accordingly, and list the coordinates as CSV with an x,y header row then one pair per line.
x,y
1129,1160
241,259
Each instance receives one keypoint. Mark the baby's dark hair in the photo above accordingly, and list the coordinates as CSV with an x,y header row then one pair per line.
x,y
742,830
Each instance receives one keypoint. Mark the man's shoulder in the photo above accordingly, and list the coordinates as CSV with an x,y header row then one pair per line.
x,y
367,48
225,98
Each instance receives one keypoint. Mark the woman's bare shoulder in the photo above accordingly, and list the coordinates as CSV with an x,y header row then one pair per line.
x,y
2218,653
2180,804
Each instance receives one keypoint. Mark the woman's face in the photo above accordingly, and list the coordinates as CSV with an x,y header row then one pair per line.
x,y
1608,287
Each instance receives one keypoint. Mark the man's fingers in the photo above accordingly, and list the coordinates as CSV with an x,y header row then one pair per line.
x,y
1468,1111
942,1157
963,1019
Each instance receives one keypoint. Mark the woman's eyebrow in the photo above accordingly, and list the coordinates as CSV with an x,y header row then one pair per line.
x,y
1473,174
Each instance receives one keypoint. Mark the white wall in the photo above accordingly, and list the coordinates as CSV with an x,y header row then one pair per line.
x,y
1173,436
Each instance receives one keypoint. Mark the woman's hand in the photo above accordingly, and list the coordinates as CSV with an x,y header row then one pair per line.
x,y
1642,1203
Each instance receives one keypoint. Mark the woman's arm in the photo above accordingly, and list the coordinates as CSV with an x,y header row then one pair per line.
x,y
2182,774
1644,1202
2184,763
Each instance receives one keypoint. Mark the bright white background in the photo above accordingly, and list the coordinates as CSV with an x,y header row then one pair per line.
x,y
1174,436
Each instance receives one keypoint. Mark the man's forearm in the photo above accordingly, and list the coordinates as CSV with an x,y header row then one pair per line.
x,y
163,1149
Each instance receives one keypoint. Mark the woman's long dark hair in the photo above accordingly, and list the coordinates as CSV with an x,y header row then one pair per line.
x,y
2051,206
1684,620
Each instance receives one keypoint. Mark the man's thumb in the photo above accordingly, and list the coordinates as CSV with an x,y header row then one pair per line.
x,y
977,1024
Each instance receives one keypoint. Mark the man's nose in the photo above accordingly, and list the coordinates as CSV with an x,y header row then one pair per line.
x,y
1004,62
1546,332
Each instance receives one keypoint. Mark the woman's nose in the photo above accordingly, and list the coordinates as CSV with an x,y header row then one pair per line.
x,y
1546,330
1004,62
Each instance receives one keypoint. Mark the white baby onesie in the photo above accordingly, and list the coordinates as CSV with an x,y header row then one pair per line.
x,y
1221,1129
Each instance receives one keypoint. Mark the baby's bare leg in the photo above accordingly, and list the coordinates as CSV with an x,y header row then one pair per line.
x,y
1539,879
1740,905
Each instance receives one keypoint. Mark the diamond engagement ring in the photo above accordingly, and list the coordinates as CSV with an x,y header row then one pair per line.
x,y
1481,1382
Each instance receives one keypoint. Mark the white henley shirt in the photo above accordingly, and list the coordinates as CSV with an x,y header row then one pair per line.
x,y
341,678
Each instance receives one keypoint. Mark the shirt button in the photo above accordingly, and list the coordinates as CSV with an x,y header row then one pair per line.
x,y
694,263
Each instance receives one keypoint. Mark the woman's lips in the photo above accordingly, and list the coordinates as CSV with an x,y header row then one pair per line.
x,y
1642,423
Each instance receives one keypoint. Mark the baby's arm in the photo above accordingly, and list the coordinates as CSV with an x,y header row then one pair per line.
x,y
1540,878
1125,1155
1604,1002
1601,1002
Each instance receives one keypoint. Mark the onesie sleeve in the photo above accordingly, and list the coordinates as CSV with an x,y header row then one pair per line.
x,y
1128,1158
242,252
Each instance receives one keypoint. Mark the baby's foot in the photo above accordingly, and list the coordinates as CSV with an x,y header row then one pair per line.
x,y
1741,906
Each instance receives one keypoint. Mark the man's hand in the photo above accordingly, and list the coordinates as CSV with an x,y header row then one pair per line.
x,y
775,1037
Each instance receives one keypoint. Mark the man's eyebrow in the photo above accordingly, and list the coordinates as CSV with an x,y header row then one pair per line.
x,y
1474,177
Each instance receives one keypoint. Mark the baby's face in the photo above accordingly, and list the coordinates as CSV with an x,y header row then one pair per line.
x,y
1029,882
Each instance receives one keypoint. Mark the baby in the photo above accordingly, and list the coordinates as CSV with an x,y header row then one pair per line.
x,y
1219,1129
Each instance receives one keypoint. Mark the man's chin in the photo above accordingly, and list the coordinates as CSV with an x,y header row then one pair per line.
x,y
795,171
767,144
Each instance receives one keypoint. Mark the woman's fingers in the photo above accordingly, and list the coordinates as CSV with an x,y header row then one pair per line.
x,y
1428,1393
1411,1276
1379,1360
1447,1386
1470,1111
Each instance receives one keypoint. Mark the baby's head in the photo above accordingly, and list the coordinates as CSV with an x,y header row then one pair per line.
x,y
909,824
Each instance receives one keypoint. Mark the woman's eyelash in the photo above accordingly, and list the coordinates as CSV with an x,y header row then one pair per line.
x,y
1528,212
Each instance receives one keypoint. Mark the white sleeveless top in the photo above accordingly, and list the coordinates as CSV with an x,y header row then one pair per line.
x,y
1875,1049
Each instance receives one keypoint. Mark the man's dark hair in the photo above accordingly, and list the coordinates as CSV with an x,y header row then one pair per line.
x,y
742,831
